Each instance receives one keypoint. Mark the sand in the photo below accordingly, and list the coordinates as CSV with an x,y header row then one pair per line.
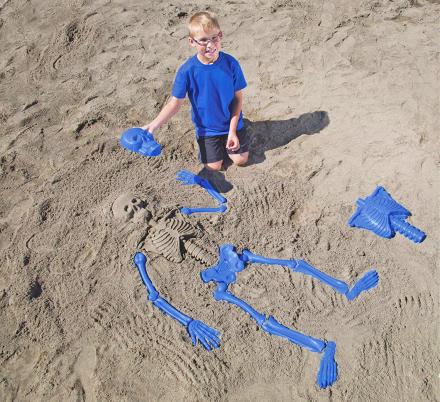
x,y
342,96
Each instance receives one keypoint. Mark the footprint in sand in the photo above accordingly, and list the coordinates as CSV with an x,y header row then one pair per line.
x,y
18,373
84,368
13,222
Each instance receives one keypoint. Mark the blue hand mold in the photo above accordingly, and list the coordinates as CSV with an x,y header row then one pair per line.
x,y
187,179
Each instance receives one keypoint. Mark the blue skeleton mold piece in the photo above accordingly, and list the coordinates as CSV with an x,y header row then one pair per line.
x,y
197,330
190,211
140,141
188,178
381,214
225,273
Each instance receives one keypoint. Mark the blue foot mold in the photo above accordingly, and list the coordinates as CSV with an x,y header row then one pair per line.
x,y
328,368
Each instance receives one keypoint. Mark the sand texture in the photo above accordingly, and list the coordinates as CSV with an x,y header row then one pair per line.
x,y
342,96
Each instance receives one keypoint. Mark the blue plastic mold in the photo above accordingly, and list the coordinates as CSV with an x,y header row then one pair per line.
x,y
328,369
190,211
225,272
367,282
381,214
197,330
187,178
140,141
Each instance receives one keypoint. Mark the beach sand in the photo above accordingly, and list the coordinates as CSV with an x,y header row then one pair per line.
x,y
342,96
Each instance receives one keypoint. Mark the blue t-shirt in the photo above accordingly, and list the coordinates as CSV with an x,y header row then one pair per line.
x,y
211,89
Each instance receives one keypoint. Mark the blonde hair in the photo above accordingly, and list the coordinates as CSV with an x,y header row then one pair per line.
x,y
202,21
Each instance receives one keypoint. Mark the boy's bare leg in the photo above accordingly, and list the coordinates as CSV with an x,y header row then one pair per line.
x,y
215,166
239,159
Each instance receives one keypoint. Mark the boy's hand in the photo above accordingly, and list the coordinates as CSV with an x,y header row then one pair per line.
x,y
233,143
150,128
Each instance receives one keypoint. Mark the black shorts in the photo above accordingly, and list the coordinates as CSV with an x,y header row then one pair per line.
x,y
213,149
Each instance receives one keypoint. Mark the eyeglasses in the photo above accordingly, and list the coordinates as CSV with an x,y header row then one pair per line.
x,y
204,42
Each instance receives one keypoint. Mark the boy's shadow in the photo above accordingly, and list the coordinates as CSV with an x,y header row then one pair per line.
x,y
217,179
267,135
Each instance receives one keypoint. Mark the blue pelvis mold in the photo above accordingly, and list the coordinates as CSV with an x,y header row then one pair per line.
x,y
381,214
197,330
140,141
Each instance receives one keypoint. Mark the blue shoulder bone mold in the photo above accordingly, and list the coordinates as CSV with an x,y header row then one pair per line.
x,y
382,215
197,330
140,141
188,178
231,263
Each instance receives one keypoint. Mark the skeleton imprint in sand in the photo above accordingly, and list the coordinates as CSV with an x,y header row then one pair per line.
x,y
172,237
129,207
169,235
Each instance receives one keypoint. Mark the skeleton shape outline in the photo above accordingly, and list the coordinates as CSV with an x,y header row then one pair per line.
x,y
224,273
169,233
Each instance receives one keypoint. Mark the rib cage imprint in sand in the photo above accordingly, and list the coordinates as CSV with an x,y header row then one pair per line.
x,y
172,237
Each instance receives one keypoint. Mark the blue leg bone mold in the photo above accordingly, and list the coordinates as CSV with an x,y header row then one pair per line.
x,y
368,281
225,272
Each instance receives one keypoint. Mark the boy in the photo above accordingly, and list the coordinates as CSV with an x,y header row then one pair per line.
x,y
213,81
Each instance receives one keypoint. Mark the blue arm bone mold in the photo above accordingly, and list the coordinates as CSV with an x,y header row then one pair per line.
x,y
225,273
190,211
187,178
382,215
197,330
140,141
